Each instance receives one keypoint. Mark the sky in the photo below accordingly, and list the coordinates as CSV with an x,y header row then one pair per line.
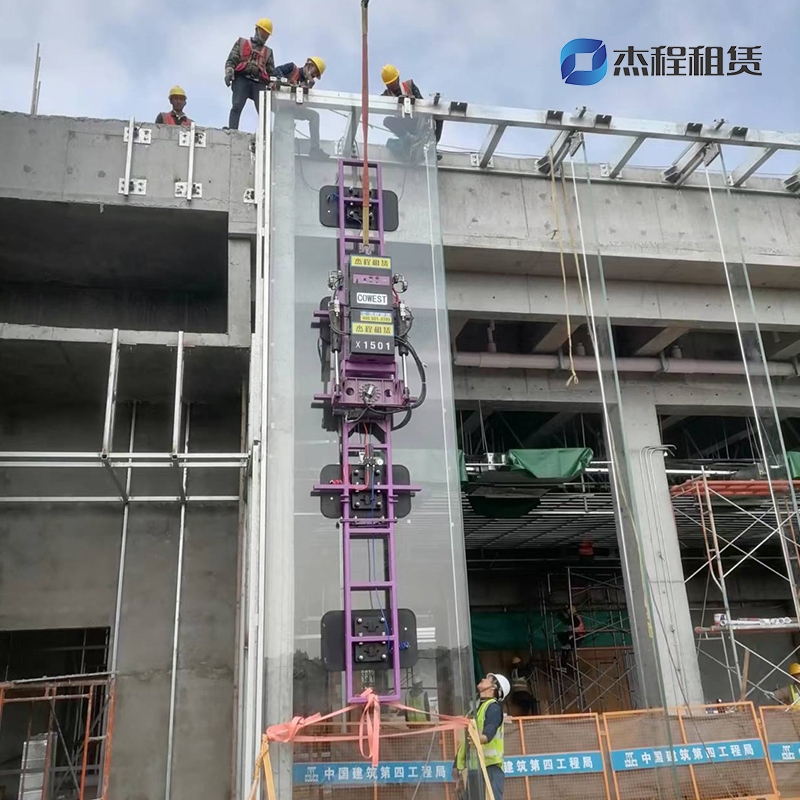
x,y
118,60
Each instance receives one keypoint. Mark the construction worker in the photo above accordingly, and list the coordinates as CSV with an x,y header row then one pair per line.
x,y
248,69
572,637
521,691
408,130
307,76
417,698
790,695
177,98
492,691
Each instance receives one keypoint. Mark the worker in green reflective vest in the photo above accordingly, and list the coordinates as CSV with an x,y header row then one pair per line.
x,y
492,691
417,698
790,695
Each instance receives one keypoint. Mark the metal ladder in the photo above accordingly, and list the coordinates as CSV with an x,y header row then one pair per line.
x,y
377,445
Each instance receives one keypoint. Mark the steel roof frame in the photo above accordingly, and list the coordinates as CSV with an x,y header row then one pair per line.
x,y
635,132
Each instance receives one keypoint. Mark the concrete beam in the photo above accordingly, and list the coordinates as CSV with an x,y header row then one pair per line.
x,y
534,297
457,324
39,333
782,346
654,340
544,432
671,421
535,391
554,338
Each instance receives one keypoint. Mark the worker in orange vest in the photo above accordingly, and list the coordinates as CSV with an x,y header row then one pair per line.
x,y
248,69
410,131
177,99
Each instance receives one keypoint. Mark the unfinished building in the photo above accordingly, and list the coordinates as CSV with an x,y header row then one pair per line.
x,y
609,432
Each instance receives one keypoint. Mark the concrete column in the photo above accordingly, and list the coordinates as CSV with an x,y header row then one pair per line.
x,y
657,598
239,291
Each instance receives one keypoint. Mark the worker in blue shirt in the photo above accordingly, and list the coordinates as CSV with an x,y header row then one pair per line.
x,y
306,76
492,691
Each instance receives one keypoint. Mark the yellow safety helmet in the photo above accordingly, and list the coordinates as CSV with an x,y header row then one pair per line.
x,y
794,669
265,25
318,63
389,74
176,91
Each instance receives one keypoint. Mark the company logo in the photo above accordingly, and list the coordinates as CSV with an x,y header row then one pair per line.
x,y
583,77
658,62
369,299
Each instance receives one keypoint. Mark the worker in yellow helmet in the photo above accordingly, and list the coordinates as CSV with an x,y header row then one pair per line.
x,y
790,695
248,69
307,76
177,99
410,132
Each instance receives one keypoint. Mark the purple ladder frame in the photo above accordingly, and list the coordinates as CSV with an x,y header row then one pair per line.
x,y
383,529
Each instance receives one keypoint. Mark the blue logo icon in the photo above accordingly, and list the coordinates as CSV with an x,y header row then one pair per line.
x,y
584,77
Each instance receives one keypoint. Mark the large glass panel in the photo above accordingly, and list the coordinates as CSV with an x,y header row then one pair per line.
x,y
649,550
769,498
305,571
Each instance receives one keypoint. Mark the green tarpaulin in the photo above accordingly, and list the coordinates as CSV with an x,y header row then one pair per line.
x,y
564,463
556,463
794,464
526,631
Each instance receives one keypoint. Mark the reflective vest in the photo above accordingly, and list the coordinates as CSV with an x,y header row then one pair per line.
x,y
251,56
581,626
295,76
795,695
167,118
492,751
416,701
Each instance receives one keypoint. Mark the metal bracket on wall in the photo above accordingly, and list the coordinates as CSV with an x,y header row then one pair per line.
x,y
475,160
134,186
249,196
140,135
185,138
189,188
182,190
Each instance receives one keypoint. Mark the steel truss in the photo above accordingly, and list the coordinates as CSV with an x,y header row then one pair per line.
x,y
725,555
598,595
703,140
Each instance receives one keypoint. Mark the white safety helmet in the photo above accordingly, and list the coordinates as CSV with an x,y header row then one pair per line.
x,y
502,682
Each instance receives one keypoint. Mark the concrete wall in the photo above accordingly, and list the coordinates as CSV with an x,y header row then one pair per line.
x,y
59,568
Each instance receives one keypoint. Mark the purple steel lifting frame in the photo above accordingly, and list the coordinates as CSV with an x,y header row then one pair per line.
x,y
365,317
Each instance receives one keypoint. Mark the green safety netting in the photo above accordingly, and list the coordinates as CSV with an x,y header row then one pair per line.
x,y
794,464
528,631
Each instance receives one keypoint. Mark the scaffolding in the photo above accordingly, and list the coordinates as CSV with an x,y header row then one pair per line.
x,y
724,555
596,674
67,724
